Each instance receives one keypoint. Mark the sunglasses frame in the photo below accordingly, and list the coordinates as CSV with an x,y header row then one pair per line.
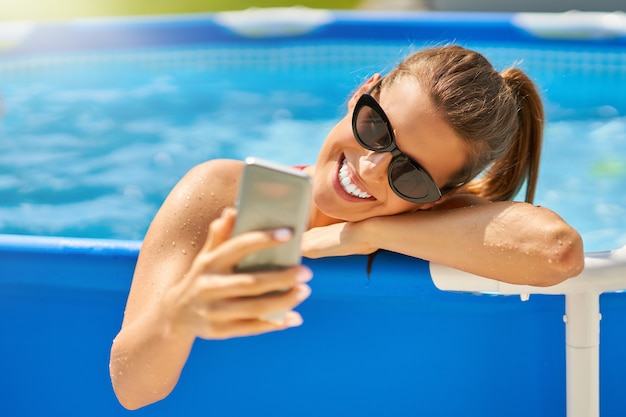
x,y
367,100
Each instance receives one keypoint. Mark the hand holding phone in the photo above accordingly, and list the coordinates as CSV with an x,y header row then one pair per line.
x,y
273,196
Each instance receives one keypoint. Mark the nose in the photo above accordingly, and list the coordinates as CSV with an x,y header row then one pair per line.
x,y
374,166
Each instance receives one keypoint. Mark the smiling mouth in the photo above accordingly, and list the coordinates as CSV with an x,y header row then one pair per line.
x,y
347,185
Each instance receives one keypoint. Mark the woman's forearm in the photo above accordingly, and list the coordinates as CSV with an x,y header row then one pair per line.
x,y
512,242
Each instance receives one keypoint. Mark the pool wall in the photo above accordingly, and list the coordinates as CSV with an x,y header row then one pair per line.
x,y
390,344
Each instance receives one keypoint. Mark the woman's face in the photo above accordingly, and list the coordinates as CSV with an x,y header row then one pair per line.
x,y
351,182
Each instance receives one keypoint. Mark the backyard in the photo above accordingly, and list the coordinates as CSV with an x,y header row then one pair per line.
x,y
65,9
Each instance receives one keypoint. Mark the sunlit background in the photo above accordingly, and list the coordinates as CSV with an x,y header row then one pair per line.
x,y
60,9
66,9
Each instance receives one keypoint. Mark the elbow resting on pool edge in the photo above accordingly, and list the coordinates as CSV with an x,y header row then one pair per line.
x,y
564,255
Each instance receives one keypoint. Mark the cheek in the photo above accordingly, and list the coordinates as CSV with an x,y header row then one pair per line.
x,y
340,135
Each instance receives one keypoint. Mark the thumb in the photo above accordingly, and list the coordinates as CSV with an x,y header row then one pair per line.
x,y
220,229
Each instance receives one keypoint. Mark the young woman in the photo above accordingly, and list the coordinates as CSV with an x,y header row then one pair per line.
x,y
396,173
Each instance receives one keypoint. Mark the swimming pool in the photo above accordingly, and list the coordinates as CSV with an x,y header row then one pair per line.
x,y
102,117
92,139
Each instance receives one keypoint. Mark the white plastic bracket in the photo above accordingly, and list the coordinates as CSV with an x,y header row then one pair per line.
x,y
603,272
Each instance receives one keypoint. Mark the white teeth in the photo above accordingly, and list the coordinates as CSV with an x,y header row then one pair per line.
x,y
348,186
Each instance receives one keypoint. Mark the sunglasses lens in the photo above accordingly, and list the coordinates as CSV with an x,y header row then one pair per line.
x,y
408,180
371,129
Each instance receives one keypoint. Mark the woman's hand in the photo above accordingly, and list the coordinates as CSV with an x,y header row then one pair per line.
x,y
213,302
339,239
183,289
208,301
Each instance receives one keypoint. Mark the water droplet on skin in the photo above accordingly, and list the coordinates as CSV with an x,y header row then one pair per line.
x,y
184,252
550,260
173,244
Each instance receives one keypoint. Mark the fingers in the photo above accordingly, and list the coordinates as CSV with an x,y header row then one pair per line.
x,y
255,307
218,303
220,229
222,251
214,287
249,315
250,327
229,305
223,258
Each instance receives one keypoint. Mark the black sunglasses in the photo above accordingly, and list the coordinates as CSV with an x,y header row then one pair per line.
x,y
373,131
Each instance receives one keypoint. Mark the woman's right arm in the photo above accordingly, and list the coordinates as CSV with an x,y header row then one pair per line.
x,y
184,286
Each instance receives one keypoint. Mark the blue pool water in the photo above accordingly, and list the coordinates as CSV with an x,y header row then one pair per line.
x,y
91,142
97,129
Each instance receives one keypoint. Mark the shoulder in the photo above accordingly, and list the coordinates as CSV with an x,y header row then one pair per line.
x,y
215,171
209,186
216,180
197,199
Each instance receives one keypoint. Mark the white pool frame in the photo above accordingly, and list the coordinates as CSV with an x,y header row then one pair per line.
x,y
603,272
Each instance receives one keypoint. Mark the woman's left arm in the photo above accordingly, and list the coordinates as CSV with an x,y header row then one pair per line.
x,y
509,241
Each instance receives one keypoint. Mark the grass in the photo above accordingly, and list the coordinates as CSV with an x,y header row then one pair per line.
x,y
68,9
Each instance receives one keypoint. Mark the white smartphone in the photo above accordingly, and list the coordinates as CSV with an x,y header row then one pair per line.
x,y
272,196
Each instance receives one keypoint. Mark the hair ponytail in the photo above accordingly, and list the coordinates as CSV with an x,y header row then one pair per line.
x,y
520,162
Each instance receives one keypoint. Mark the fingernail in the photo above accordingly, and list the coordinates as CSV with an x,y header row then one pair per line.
x,y
304,275
293,320
283,234
304,293
227,211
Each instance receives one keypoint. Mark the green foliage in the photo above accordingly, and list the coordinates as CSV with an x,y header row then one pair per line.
x,y
68,9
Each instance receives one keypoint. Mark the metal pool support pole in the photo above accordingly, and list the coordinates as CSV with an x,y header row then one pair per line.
x,y
603,272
